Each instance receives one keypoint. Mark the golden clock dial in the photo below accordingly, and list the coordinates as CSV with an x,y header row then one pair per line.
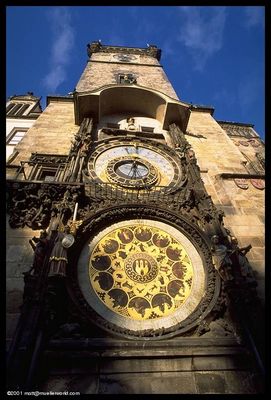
x,y
133,164
142,274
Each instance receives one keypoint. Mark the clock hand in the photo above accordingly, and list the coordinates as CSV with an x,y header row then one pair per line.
x,y
139,174
131,171
134,170
137,170
136,147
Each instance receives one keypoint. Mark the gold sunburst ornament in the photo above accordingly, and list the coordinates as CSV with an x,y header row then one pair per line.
x,y
141,274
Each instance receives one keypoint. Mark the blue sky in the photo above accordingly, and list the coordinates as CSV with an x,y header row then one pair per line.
x,y
213,55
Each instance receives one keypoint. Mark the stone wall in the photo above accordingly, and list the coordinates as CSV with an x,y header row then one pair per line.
x,y
244,209
16,124
97,74
177,366
19,259
52,132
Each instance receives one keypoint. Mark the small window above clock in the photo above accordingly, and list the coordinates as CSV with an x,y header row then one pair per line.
x,y
112,125
126,79
147,129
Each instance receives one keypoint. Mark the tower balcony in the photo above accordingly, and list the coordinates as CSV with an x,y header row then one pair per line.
x,y
132,100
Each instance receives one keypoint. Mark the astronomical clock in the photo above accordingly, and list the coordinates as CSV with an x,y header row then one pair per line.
x,y
142,270
135,164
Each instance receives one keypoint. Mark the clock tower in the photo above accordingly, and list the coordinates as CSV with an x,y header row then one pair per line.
x,y
142,286
145,276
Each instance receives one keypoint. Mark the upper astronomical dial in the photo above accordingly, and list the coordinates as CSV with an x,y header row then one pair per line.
x,y
133,165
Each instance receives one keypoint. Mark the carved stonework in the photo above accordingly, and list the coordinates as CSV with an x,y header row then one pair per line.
x,y
95,206
47,159
258,183
239,130
241,183
151,50
31,204
221,259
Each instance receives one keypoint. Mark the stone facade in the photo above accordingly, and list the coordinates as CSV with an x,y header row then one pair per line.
x,y
218,155
55,125
190,367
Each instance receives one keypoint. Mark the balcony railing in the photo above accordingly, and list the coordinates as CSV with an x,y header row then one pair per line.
x,y
154,194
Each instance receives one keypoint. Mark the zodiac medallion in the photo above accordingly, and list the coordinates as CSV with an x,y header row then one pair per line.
x,y
140,272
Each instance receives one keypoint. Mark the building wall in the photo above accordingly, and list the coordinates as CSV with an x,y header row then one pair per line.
x,y
52,133
181,366
244,209
17,124
19,259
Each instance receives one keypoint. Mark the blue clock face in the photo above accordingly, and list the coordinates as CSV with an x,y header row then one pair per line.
x,y
132,169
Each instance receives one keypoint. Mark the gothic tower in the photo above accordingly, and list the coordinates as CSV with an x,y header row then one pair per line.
x,y
150,248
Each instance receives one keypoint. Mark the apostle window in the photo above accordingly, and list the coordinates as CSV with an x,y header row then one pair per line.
x,y
126,79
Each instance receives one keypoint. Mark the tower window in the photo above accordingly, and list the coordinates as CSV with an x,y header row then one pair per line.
x,y
147,129
112,125
47,174
16,109
9,107
15,136
126,79
23,108
46,167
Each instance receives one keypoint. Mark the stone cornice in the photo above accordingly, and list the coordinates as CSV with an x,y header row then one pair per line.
x,y
58,98
96,47
228,175
130,63
202,108
235,123
24,117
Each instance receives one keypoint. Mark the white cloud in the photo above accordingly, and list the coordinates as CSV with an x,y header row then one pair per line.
x,y
55,77
62,44
253,16
202,32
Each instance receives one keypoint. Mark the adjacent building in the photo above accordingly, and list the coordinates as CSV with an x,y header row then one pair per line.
x,y
21,113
